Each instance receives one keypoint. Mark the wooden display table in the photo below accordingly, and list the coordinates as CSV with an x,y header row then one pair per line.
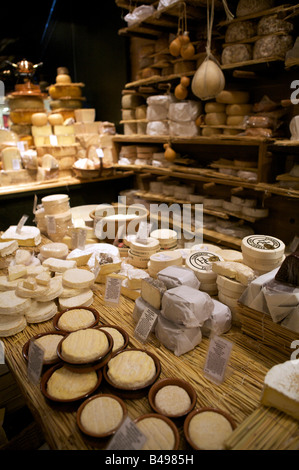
x,y
238,395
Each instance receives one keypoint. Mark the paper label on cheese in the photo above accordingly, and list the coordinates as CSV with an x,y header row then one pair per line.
x,y
203,260
217,359
51,224
35,362
21,223
143,232
263,243
79,238
127,437
112,290
145,325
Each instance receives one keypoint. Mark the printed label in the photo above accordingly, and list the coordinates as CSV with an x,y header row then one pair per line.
x,y
217,359
35,362
127,437
112,291
145,325
21,223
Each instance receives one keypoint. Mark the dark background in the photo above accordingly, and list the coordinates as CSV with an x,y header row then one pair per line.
x,y
82,36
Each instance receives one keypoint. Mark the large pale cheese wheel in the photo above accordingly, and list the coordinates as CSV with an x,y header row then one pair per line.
x,y
233,97
255,212
63,78
215,119
12,304
159,434
54,290
131,369
230,285
262,247
41,311
84,299
67,384
80,256
11,325
235,120
64,91
201,263
54,250
55,204
75,319
49,343
165,258
234,270
214,107
41,130
55,119
238,109
39,119
79,278
83,346
27,236
59,265
8,248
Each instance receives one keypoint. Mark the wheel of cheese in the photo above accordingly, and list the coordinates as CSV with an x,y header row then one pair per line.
x,y
209,288
231,207
262,247
229,301
54,290
201,263
214,107
55,119
215,119
79,278
41,311
230,285
55,204
233,97
63,78
11,325
54,250
12,304
161,260
235,120
209,131
243,201
255,212
238,109
84,299
39,119
151,246
138,261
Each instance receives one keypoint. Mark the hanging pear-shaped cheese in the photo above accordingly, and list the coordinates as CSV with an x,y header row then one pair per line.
x,y
169,153
175,47
208,80
187,51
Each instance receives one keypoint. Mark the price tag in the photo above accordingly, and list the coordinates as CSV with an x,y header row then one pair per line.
x,y
35,362
127,437
53,139
112,291
145,324
143,231
2,353
34,204
217,359
21,223
16,164
51,224
79,239
22,146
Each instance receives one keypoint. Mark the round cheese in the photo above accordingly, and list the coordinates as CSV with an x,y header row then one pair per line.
x,y
54,250
214,107
39,119
238,109
118,339
161,260
84,299
12,304
206,247
67,384
11,325
231,207
79,278
209,430
55,204
215,119
230,285
231,302
201,263
232,255
54,290
172,400
41,311
232,97
243,201
75,319
255,212
262,247
159,434
49,344
131,369
83,346
55,119
235,120
101,415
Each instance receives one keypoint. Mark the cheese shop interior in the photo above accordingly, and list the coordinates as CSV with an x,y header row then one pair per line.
x,y
191,105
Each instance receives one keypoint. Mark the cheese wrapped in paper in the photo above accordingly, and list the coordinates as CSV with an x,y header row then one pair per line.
x,y
220,320
186,306
177,338
175,276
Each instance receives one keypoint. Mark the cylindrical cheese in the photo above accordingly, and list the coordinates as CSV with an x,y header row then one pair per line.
x,y
201,263
215,119
11,158
238,109
54,250
262,247
235,120
232,97
166,258
56,204
214,107
39,119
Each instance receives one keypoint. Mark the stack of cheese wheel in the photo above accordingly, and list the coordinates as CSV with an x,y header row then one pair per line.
x,y
201,263
77,288
237,106
58,215
140,253
167,238
65,95
162,260
229,292
262,253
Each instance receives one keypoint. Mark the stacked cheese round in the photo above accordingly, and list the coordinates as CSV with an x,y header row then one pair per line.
x,y
58,215
79,281
162,260
229,292
167,238
262,253
140,253
201,263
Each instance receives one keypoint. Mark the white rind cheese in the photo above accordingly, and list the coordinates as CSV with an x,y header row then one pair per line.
x,y
84,299
172,400
159,434
234,270
281,388
11,325
59,265
27,236
7,248
262,247
101,415
131,369
78,278
152,292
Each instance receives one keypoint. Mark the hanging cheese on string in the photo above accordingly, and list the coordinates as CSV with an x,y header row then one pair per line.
x,y
187,49
181,91
209,79
175,47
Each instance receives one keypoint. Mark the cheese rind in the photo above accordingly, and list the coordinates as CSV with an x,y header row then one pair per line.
x,y
83,346
172,400
209,430
234,270
27,236
159,434
131,369
281,388
66,384
152,291
101,415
